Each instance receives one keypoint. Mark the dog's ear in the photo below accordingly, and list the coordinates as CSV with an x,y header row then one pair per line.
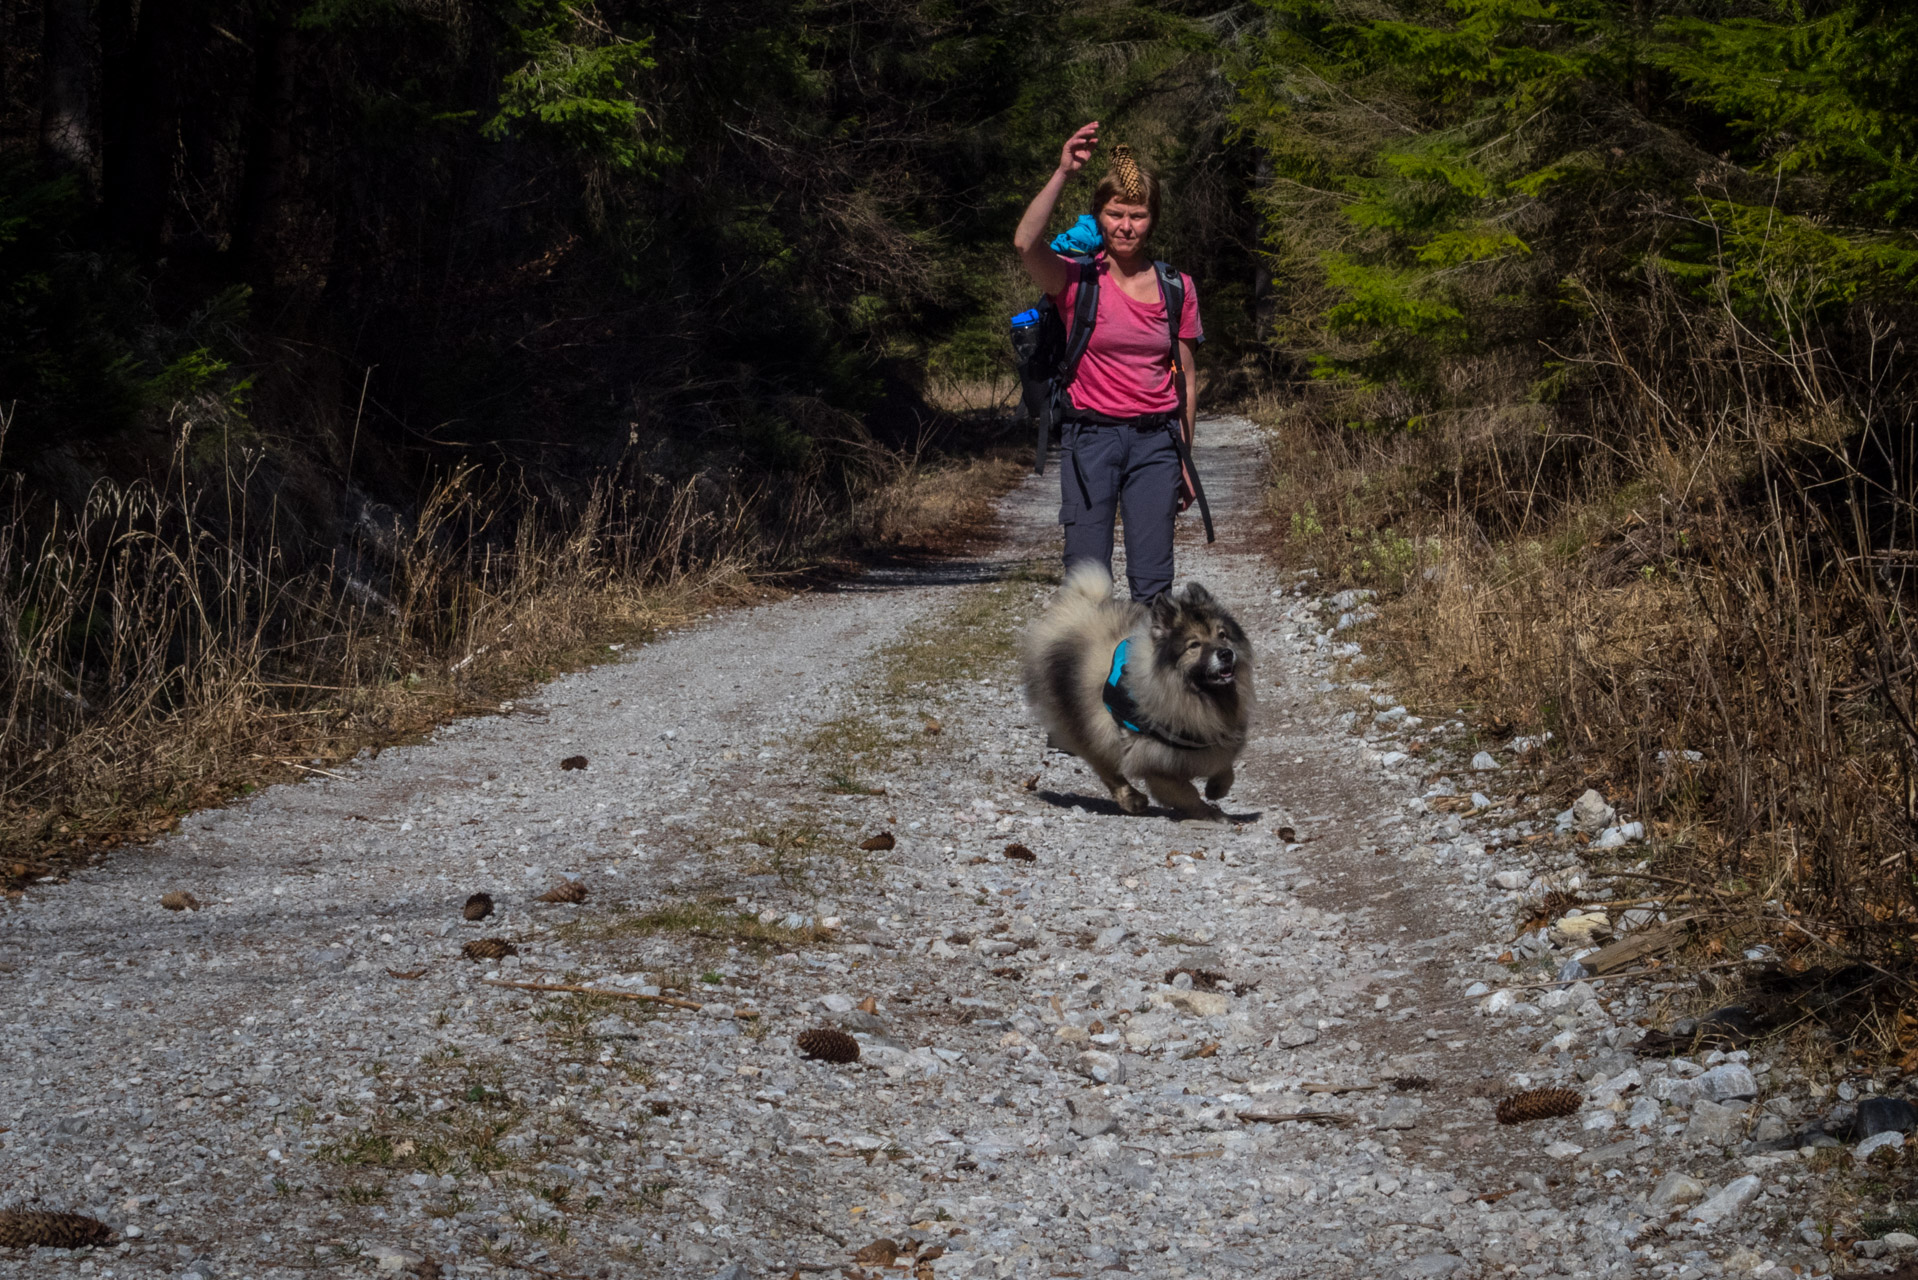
x,y
1165,613
1195,596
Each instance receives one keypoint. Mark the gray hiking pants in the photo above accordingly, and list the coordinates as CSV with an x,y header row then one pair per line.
x,y
1120,470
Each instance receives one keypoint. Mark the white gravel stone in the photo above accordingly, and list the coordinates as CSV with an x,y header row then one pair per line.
x,y
1675,1189
1728,1081
1738,1193
1590,811
1877,1142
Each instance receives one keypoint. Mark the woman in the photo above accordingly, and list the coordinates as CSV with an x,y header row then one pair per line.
x,y
1123,404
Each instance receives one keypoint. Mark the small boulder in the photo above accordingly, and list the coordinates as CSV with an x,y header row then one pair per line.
x,y
1100,1067
1205,1004
1582,930
1885,1115
1591,813
1484,762
1676,1189
1714,1124
1738,1193
390,1260
1878,1142
1727,1081
1091,1119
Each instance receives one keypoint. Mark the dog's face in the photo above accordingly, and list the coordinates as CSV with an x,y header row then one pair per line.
x,y
1194,636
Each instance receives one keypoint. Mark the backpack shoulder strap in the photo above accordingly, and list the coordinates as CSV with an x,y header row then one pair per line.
x,y
1085,314
1172,293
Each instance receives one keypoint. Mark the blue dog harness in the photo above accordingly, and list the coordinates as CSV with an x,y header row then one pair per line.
x,y
1125,708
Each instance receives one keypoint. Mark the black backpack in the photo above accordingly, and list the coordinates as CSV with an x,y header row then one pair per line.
x,y
1048,352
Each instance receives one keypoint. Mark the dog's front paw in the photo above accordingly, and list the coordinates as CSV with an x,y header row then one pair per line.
x,y
1218,784
1130,799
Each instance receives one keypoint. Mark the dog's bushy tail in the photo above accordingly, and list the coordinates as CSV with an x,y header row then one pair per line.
x,y
1087,582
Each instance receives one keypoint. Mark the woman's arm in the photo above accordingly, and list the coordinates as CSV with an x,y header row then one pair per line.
x,y
1048,269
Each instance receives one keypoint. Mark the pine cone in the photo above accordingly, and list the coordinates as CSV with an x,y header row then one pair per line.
x,y
180,900
573,762
488,949
28,1228
1538,1104
828,1045
879,843
478,907
1409,1084
1020,853
565,891
1125,168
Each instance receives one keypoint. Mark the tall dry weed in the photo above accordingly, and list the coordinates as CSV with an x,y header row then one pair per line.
x,y
158,650
1699,583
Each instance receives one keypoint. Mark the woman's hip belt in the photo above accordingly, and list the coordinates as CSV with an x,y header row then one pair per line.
x,y
1143,422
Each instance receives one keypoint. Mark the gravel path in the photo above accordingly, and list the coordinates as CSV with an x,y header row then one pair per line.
x,y
305,1074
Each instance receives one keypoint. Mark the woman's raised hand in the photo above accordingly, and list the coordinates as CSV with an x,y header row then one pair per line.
x,y
1079,148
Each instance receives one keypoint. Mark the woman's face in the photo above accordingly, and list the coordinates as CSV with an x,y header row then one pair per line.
x,y
1124,227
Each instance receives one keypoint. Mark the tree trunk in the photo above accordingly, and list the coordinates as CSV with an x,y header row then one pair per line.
x,y
268,143
119,107
66,95
141,113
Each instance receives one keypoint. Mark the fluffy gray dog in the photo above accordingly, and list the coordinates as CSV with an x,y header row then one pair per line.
x,y
1160,691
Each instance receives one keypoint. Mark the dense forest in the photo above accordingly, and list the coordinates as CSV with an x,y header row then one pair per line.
x,y
338,339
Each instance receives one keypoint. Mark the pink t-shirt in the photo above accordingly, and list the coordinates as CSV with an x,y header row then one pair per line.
x,y
1127,368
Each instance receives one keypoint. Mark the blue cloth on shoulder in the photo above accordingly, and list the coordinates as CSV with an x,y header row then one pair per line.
x,y
1081,237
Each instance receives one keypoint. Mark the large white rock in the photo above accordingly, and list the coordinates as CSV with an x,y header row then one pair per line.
x,y
1728,1080
1677,1188
1715,1124
1738,1193
1206,1004
1101,1067
1891,1138
1590,812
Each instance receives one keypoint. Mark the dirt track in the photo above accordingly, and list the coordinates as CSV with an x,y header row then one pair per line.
x,y
305,1074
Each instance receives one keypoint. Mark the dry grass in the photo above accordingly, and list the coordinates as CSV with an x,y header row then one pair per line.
x,y
161,650
1719,576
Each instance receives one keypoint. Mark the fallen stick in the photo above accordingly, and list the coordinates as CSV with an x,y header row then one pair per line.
x,y
1337,1088
694,1005
1328,1117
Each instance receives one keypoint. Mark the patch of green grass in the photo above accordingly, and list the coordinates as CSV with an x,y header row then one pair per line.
x,y
711,978
714,922
542,1227
361,1193
975,640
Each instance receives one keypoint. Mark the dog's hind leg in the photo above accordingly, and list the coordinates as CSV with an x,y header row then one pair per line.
x,y
1124,794
1180,794
1218,784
